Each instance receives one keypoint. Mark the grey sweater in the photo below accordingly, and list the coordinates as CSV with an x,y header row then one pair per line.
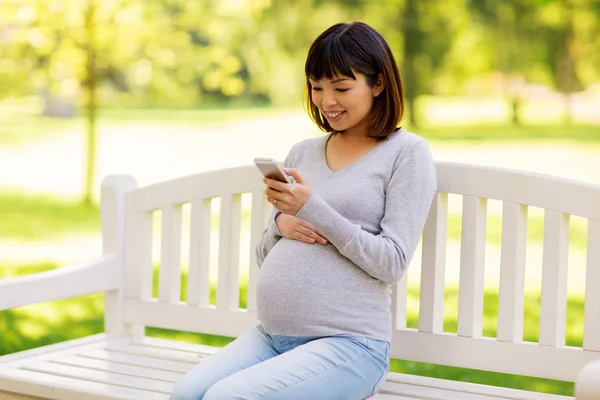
x,y
372,212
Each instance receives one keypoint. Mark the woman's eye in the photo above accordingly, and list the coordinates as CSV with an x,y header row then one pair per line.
x,y
316,89
342,90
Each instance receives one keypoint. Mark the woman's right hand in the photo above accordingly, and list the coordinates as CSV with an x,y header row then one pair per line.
x,y
298,229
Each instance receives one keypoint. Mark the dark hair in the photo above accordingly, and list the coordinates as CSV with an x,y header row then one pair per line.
x,y
357,46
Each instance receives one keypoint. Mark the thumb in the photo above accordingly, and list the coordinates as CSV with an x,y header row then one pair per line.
x,y
294,173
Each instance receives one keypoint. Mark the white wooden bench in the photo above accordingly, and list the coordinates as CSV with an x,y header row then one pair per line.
x,y
124,363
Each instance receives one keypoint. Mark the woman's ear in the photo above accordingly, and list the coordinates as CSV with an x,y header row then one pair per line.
x,y
379,86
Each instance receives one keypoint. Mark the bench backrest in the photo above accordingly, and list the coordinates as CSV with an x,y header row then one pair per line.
x,y
244,213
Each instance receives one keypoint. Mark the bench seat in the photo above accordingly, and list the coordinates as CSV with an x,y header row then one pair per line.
x,y
103,367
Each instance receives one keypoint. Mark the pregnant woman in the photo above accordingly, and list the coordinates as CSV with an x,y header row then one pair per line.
x,y
341,235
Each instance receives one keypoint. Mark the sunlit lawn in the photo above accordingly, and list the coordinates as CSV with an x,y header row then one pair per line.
x,y
28,218
495,134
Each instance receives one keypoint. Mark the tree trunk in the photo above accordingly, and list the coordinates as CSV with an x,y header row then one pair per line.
x,y
516,105
564,59
91,106
411,51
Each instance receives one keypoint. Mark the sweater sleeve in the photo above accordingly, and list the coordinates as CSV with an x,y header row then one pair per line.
x,y
408,199
269,238
271,235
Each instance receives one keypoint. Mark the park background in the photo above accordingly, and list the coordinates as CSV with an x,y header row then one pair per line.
x,y
164,88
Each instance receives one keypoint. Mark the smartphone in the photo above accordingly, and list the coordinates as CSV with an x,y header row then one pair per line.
x,y
271,169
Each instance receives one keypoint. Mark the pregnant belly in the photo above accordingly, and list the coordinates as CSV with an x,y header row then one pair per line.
x,y
297,263
313,290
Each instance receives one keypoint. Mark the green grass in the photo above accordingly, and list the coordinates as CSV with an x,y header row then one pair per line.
x,y
34,217
47,323
492,134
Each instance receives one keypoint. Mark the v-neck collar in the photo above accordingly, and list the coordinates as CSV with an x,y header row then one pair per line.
x,y
330,173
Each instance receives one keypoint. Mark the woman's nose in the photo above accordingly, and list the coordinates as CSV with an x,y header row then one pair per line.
x,y
329,99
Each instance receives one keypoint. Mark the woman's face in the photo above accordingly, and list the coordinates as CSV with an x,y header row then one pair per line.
x,y
345,102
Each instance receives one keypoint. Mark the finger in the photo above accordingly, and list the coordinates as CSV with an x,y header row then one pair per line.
x,y
323,236
294,173
303,238
273,184
312,228
272,201
312,234
273,194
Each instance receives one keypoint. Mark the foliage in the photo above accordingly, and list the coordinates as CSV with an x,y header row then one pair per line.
x,y
182,52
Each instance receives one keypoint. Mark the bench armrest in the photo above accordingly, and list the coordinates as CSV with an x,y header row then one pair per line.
x,y
97,275
588,382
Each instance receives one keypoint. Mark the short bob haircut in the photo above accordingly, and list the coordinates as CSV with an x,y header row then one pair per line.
x,y
355,46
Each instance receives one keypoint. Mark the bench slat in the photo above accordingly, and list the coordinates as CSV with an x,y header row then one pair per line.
x,y
124,369
553,311
475,388
198,292
183,317
169,277
488,354
97,275
163,354
258,223
46,352
159,364
91,375
138,254
430,393
511,300
399,303
591,334
203,185
472,264
536,190
59,387
431,304
228,284
177,345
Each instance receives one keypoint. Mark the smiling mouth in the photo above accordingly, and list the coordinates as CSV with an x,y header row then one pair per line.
x,y
334,115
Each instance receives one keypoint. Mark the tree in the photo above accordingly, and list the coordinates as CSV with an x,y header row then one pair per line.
x,y
570,54
90,82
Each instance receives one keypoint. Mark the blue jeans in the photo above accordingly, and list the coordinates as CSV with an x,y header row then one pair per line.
x,y
259,366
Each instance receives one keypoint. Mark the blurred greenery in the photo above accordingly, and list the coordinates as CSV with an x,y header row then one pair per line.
x,y
175,52
47,323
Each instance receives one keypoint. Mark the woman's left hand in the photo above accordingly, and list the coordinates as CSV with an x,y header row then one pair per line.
x,y
288,197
